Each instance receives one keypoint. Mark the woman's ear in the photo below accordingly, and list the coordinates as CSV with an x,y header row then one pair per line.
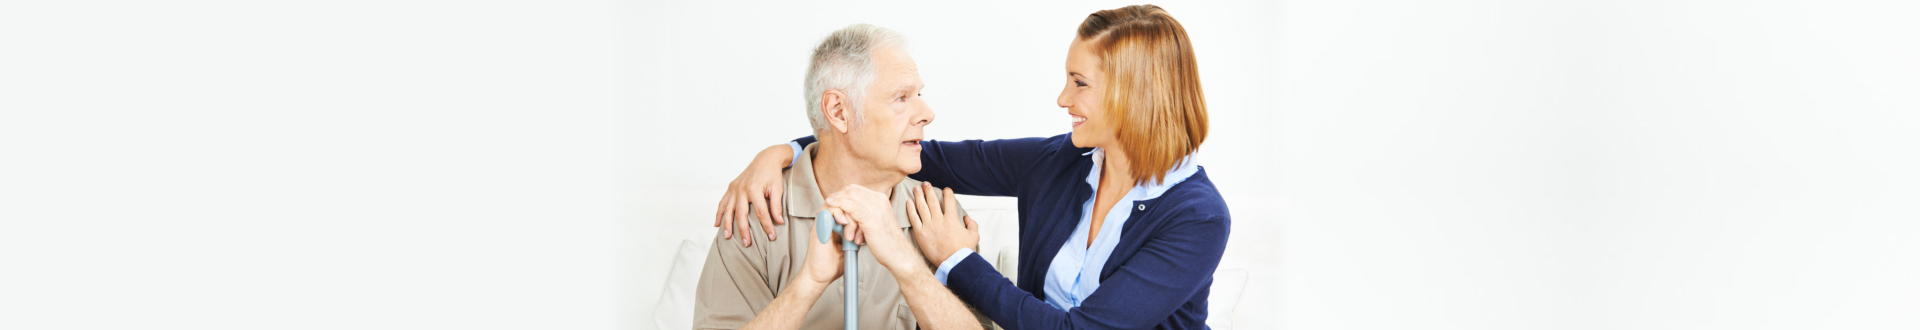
x,y
833,104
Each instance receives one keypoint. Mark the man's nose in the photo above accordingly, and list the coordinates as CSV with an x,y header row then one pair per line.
x,y
926,114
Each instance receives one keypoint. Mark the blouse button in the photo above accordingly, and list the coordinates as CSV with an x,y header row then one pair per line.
x,y
1143,207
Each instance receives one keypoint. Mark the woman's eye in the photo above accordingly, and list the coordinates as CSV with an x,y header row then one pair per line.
x,y
1079,83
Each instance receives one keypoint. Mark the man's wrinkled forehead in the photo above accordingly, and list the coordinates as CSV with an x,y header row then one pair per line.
x,y
895,69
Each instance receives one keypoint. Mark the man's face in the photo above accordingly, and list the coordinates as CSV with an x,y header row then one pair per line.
x,y
888,137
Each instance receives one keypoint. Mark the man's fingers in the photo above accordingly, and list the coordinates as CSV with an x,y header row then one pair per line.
x,y
837,218
972,226
833,241
851,229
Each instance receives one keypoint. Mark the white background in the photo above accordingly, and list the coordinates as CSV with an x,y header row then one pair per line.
x,y
1390,164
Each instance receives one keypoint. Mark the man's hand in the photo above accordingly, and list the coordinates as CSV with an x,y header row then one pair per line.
x,y
938,226
932,304
825,261
868,216
759,187
824,264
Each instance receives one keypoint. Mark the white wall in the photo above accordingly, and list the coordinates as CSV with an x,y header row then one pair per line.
x,y
306,165
1414,164
1622,165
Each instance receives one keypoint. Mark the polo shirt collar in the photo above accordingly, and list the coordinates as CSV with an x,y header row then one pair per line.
x,y
803,190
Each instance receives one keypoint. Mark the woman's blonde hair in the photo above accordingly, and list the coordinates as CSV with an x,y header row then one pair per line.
x,y
1153,95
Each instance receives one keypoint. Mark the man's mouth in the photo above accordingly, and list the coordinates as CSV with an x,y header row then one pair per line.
x,y
911,143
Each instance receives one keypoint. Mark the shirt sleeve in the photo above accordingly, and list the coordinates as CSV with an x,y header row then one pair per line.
x,y
796,152
982,167
732,290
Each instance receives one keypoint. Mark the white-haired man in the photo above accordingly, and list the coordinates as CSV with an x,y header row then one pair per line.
x,y
863,102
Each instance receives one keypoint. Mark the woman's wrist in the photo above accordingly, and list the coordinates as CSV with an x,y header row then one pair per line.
x,y
779,155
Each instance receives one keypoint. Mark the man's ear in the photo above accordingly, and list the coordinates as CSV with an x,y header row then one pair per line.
x,y
834,105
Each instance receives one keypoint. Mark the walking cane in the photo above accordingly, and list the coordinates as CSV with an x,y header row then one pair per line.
x,y
824,226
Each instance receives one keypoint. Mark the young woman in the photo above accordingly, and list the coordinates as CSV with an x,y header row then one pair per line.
x,y
1119,227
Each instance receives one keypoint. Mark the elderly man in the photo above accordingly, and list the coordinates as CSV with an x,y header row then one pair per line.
x,y
863,101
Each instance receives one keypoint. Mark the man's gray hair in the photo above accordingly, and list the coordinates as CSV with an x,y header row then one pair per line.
x,y
844,62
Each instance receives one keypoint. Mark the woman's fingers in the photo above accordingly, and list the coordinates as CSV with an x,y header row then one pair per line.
x,y
774,195
913,218
928,200
726,218
920,206
948,205
719,212
758,200
740,221
766,212
767,224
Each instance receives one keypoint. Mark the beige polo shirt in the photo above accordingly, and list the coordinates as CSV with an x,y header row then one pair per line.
x,y
738,282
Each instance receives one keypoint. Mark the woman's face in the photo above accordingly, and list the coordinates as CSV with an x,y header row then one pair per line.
x,y
1084,98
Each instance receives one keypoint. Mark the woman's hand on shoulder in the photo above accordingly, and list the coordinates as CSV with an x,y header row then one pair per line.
x,y
938,226
758,189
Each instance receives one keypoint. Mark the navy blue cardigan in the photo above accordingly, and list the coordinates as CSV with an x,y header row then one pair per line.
x,y
1158,275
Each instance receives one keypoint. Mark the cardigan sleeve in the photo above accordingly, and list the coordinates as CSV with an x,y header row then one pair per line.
x,y
978,167
981,167
1173,265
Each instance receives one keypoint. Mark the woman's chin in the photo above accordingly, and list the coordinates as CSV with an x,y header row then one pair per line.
x,y
1083,139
